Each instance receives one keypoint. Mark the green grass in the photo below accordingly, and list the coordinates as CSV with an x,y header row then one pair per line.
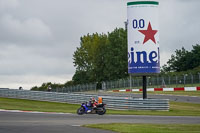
x,y
176,108
184,93
148,128
31,105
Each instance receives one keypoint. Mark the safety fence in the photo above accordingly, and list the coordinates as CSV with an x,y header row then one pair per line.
x,y
165,81
76,88
135,82
113,102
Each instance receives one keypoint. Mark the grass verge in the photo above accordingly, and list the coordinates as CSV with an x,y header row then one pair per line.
x,y
31,105
176,108
183,93
148,128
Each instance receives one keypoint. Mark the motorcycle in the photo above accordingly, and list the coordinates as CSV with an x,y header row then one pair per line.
x,y
87,109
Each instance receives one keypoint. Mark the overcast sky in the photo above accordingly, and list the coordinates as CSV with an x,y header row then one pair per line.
x,y
38,37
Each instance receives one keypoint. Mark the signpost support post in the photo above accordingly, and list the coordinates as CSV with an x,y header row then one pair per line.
x,y
144,78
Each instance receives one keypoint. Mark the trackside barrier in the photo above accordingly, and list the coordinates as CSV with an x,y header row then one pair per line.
x,y
113,102
161,89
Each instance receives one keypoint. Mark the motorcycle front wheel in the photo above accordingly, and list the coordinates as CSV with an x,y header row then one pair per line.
x,y
80,111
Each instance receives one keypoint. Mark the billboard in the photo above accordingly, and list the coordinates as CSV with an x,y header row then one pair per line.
x,y
143,37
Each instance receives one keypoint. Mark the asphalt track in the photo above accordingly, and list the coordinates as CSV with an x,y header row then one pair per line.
x,y
15,122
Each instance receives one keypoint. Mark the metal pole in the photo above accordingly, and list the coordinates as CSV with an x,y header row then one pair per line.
x,y
199,77
130,82
96,87
192,79
144,87
184,79
126,24
125,83
130,85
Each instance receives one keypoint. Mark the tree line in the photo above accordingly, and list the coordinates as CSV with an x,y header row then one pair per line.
x,y
184,60
103,57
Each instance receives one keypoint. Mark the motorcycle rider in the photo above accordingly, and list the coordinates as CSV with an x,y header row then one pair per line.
x,y
94,102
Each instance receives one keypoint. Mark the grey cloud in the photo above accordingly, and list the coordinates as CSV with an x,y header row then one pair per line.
x,y
31,29
38,38
19,61
8,4
27,81
179,24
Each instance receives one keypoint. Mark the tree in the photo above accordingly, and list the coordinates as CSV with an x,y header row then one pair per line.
x,y
89,58
101,57
195,56
183,60
116,55
69,83
81,77
44,86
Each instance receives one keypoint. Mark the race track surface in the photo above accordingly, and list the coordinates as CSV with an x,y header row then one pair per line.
x,y
15,122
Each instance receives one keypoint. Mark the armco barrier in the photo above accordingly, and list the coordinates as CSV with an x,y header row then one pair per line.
x,y
123,103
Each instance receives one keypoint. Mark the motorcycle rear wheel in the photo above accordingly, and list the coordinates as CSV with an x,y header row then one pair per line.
x,y
101,112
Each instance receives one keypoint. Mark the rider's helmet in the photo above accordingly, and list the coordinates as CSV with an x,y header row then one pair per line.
x,y
92,99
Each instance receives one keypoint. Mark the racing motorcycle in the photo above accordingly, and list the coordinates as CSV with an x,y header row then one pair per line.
x,y
87,109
